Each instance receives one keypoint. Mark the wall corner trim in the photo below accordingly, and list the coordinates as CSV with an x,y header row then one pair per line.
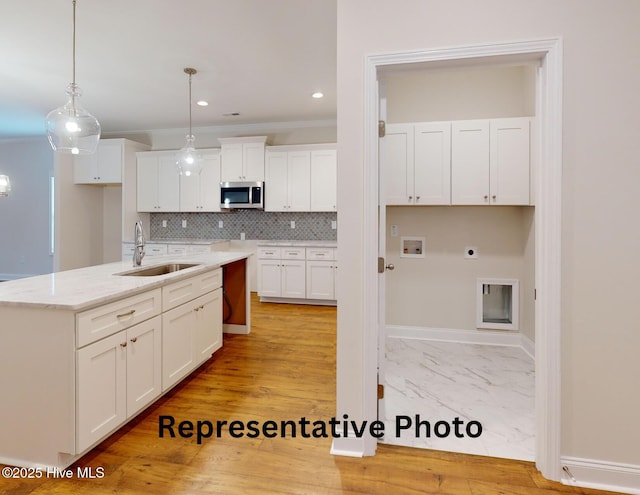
x,y
601,475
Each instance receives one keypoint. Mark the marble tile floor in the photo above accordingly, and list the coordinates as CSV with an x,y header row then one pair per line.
x,y
442,381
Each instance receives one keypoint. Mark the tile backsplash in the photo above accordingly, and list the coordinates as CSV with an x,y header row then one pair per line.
x,y
255,224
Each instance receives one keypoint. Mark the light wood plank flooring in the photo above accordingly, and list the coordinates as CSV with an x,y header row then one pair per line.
x,y
284,370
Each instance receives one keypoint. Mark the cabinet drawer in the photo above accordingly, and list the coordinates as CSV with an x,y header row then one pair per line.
x,y
321,254
292,254
97,323
155,249
185,290
199,248
177,249
269,253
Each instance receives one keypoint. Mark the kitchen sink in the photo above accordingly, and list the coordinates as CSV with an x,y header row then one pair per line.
x,y
153,271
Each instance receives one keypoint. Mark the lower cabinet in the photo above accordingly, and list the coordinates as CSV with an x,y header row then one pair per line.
x,y
296,274
116,377
191,333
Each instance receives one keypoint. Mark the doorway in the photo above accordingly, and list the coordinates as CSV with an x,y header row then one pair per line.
x,y
547,222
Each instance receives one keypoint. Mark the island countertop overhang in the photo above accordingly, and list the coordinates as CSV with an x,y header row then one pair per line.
x,y
84,288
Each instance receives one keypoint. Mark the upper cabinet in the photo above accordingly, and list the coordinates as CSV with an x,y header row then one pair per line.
x,y
417,160
200,193
158,182
474,162
301,178
324,180
106,165
490,162
242,159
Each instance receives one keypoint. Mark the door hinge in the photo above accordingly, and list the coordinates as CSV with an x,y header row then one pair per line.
x,y
381,128
380,391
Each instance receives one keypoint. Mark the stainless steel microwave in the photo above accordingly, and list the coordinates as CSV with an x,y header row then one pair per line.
x,y
242,195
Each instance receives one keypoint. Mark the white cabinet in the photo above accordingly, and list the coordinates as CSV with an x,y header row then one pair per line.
x,y
158,182
116,377
417,164
242,159
102,167
200,193
192,329
191,333
321,273
288,181
490,162
281,272
296,274
324,180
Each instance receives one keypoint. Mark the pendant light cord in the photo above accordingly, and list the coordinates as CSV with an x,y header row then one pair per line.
x,y
190,134
73,80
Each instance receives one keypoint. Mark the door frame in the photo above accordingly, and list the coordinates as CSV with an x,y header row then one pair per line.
x,y
548,223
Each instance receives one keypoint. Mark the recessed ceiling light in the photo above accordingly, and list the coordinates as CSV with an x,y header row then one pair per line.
x,y
317,94
202,103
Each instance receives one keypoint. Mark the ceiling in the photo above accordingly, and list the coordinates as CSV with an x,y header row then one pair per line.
x,y
262,59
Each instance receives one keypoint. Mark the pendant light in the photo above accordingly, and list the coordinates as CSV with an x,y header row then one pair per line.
x,y
188,159
5,186
70,128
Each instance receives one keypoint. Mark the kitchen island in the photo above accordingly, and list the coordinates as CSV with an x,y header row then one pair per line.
x,y
84,351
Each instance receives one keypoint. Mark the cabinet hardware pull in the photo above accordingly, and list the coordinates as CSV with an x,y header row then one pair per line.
x,y
130,313
134,340
486,197
494,197
124,344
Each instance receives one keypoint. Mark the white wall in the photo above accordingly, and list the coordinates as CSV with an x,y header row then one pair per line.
x,y
439,290
600,290
24,214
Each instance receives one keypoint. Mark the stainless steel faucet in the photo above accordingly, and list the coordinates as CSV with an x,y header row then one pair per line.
x,y
138,236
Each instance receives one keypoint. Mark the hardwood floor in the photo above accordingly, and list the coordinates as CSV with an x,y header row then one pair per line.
x,y
284,370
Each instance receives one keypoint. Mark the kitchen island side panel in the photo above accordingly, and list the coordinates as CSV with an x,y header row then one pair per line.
x,y
37,382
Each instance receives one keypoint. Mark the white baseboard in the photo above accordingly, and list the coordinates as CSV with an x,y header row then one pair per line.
x,y
14,276
349,447
486,337
601,475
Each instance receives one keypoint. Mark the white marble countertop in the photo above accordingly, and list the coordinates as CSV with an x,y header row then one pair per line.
x,y
182,241
329,244
84,288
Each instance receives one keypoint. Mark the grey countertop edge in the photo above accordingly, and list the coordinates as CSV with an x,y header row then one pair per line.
x,y
123,286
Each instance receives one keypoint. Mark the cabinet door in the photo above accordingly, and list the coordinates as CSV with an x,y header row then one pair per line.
x,y
208,324
168,184
190,193
321,280
231,162
101,388
276,181
324,180
470,162
147,183
210,182
178,344
432,163
253,157
397,164
269,279
144,364
110,159
293,279
509,161
85,168
299,180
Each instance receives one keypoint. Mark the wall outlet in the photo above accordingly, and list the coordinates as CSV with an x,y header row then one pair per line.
x,y
220,224
334,224
471,252
394,231
293,224
184,224
242,236
164,224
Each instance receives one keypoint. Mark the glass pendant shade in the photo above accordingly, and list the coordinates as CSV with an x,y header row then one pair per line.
x,y
70,128
189,160
5,185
